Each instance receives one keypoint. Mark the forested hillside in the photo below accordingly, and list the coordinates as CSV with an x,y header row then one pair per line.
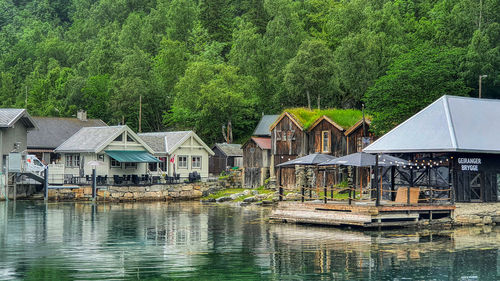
x,y
199,63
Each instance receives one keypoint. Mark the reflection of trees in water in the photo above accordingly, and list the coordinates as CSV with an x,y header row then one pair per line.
x,y
195,241
379,256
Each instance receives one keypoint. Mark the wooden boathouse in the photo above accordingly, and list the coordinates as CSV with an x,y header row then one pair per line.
x,y
454,139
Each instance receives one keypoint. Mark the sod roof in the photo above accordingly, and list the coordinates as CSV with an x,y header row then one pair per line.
x,y
345,118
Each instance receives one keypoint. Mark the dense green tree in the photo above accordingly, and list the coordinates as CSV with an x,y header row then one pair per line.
x,y
307,76
414,80
216,17
103,55
211,95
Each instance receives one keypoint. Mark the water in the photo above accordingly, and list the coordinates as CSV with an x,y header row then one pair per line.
x,y
191,241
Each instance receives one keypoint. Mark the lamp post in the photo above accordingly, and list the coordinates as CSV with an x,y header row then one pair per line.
x,y
480,83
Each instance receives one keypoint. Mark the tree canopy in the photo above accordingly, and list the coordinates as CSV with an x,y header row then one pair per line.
x,y
200,64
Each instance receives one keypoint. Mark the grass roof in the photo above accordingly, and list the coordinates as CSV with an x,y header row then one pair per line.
x,y
345,118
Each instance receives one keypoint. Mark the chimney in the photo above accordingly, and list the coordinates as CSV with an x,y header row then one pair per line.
x,y
81,115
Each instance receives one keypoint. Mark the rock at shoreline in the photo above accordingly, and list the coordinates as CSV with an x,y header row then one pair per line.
x,y
250,199
223,199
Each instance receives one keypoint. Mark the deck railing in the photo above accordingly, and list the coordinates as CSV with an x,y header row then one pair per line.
x,y
401,195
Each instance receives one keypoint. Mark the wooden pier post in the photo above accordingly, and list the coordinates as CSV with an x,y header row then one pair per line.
x,y
94,185
451,194
409,187
303,192
325,193
46,183
431,192
280,189
393,172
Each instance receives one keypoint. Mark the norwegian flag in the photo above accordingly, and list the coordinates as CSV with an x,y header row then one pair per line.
x,y
172,159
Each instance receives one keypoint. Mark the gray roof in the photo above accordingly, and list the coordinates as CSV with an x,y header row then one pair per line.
x,y
53,131
311,159
164,142
9,116
362,159
450,124
230,150
90,139
265,122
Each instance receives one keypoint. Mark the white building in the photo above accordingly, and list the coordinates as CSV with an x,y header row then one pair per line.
x,y
180,152
121,150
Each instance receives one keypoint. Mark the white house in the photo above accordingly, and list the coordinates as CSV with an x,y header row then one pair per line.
x,y
180,152
121,150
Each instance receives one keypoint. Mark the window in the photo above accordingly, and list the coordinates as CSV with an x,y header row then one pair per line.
x,y
325,141
119,138
72,160
130,165
196,162
284,136
182,162
129,138
115,164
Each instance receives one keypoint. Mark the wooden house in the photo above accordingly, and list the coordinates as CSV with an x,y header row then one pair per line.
x,y
452,147
299,132
226,156
359,136
180,152
256,161
289,140
326,136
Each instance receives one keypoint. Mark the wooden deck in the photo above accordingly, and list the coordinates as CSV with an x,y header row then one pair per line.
x,y
363,214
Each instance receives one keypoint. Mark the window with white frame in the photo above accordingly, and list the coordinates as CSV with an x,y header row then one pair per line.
x,y
196,162
182,162
72,160
115,164
325,141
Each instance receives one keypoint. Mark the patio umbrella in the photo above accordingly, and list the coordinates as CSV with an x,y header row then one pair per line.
x,y
311,159
362,159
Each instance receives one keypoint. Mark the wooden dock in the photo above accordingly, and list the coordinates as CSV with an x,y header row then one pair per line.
x,y
362,214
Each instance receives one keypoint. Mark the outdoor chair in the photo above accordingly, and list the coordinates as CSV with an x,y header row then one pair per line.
x,y
197,177
135,179
177,177
88,178
117,180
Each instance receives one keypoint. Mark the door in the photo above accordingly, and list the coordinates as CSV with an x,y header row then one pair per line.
x,y
476,187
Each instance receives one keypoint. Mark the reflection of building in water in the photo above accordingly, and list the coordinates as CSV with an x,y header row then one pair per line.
x,y
354,255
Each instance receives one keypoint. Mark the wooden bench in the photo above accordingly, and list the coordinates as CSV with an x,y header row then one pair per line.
x,y
402,195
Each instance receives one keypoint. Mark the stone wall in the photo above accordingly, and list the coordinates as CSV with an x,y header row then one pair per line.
x,y
467,214
160,192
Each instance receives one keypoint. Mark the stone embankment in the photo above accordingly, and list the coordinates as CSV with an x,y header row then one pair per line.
x,y
467,214
160,192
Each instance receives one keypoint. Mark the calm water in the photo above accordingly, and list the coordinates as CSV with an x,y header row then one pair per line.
x,y
159,241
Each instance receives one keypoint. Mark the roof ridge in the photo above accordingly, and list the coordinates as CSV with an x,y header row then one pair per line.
x,y
449,120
